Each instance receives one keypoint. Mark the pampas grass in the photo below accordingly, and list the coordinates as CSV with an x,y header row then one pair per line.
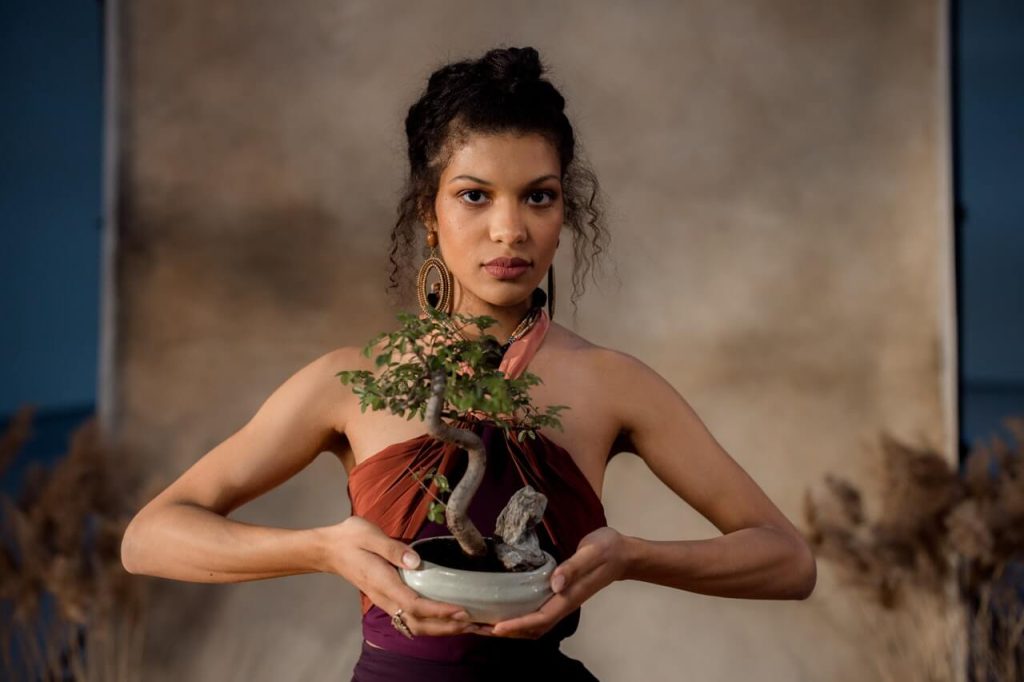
x,y
75,613
934,522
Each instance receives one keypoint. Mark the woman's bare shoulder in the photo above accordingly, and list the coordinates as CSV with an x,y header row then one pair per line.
x,y
593,355
346,357
603,382
595,369
323,373
322,370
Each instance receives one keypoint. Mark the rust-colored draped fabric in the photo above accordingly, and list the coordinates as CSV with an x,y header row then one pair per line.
x,y
382,490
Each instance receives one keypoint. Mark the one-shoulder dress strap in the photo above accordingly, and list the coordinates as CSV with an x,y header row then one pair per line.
x,y
518,356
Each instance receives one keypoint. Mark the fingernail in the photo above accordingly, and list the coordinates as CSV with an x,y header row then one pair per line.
x,y
410,560
461,615
558,583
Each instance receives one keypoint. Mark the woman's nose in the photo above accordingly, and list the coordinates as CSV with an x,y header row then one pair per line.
x,y
508,224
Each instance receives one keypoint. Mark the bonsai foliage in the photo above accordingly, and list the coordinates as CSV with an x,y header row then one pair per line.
x,y
427,369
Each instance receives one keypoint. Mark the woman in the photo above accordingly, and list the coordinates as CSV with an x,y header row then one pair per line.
x,y
494,180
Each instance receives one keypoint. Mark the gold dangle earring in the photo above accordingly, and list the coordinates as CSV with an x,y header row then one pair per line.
x,y
440,295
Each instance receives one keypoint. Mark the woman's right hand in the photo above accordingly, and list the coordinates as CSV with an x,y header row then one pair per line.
x,y
359,551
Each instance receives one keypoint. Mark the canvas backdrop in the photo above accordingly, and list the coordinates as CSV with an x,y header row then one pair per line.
x,y
776,177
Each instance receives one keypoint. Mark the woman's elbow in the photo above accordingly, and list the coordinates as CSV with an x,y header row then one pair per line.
x,y
808,571
130,549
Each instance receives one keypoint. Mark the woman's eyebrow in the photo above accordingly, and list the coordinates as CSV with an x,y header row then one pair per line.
x,y
485,182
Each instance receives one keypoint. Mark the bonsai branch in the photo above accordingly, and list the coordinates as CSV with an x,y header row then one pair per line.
x,y
456,511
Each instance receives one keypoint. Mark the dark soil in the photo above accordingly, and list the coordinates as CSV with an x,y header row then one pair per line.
x,y
445,551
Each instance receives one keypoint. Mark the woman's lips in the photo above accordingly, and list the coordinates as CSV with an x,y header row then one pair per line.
x,y
506,271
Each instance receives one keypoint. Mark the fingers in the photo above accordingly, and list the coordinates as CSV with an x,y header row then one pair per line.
x,y
415,616
569,573
370,537
535,624
424,608
376,574
397,595
450,619
423,616
396,552
574,581
481,629
455,624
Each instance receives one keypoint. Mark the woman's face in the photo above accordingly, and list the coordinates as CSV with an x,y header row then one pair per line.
x,y
500,197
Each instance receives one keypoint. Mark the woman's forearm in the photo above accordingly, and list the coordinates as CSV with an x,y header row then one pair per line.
x,y
188,542
750,563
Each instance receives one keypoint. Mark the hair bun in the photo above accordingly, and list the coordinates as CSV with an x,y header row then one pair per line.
x,y
512,65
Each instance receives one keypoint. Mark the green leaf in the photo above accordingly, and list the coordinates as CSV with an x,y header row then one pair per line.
x,y
436,513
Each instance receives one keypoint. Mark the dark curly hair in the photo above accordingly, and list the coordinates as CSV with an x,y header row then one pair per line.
x,y
500,92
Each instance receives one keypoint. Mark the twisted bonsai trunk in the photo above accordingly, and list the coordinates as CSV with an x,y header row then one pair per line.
x,y
457,507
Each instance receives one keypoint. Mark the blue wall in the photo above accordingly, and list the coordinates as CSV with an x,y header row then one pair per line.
x,y
51,77
990,103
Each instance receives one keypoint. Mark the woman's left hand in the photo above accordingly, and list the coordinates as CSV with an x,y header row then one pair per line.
x,y
600,560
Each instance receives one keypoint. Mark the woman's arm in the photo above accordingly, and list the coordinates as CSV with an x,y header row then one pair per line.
x,y
183,533
753,563
183,541
761,554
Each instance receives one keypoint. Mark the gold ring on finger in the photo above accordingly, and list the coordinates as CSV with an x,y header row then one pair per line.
x,y
399,624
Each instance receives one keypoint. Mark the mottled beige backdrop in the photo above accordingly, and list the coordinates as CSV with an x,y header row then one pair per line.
x,y
776,176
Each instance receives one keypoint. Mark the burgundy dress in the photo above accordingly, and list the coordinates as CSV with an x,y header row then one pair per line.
x,y
382,491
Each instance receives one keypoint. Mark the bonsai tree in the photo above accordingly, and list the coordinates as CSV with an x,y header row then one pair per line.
x,y
428,369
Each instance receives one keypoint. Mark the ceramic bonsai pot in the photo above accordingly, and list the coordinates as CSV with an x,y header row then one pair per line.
x,y
484,588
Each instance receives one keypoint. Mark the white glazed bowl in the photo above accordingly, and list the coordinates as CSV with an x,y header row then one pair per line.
x,y
488,597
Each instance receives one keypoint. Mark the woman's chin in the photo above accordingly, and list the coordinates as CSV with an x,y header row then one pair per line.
x,y
507,301
505,293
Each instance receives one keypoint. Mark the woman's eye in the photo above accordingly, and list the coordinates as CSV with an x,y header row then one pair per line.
x,y
542,195
476,197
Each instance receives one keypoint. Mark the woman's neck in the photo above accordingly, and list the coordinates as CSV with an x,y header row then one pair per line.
x,y
507,318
